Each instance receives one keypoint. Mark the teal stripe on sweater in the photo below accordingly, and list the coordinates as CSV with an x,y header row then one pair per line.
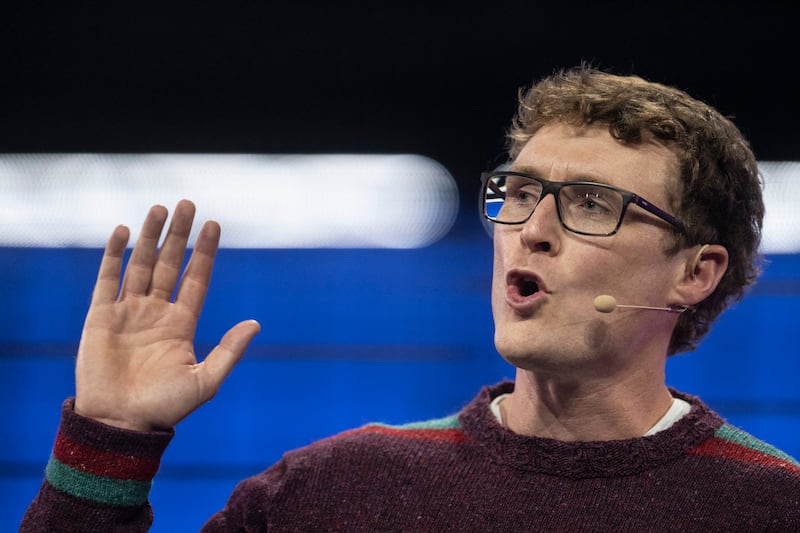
x,y
448,422
736,435
96,488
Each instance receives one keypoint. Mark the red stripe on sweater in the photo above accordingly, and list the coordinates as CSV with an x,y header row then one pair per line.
x,y
104,463
716,447
441,435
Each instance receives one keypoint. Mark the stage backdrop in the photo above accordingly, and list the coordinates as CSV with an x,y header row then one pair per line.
x,y
376,332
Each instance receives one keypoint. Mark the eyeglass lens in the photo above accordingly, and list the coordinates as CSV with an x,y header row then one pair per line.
x,y
592,209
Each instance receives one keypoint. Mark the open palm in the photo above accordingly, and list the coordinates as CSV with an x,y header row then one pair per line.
x,y
136,364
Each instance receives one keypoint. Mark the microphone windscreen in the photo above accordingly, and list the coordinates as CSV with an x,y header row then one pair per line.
x,y
605,303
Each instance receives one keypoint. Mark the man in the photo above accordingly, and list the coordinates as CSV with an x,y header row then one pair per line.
x,y
588,437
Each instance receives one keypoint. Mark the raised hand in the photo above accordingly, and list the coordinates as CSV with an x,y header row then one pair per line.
x,y
136,364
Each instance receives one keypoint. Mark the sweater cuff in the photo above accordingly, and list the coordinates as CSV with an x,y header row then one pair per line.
x,y
102,463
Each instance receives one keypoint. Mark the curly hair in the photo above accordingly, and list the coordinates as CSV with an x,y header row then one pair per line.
x,y
719,198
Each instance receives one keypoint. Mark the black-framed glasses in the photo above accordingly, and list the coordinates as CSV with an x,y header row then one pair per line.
x,y
583,207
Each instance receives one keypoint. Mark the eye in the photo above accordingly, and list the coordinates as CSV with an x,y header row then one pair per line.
x,y
523,195
591,200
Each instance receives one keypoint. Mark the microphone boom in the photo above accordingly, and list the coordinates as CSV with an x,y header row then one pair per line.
x,y
605,303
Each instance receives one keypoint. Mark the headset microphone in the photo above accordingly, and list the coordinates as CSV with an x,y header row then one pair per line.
x,y
605,303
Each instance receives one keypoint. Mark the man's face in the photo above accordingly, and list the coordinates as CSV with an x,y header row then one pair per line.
x,y
546,278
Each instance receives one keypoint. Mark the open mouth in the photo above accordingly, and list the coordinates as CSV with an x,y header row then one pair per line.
x,y
522,285
527,287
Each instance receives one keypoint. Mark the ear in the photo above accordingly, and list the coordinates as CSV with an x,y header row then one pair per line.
x,y
704,267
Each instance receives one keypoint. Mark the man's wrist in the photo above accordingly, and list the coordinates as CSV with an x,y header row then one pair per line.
x,y
103,463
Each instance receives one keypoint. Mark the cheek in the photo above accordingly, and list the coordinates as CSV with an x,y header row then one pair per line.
x,y
644,278
502,261
505,242
498,271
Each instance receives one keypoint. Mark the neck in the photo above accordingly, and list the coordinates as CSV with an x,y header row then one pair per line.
x,y
598,410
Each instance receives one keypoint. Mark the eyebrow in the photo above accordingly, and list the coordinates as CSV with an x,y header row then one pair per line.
x,y
533,172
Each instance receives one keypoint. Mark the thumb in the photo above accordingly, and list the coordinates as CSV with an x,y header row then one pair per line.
x,y
219,363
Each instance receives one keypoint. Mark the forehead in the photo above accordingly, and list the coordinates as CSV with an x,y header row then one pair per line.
x,y
562,152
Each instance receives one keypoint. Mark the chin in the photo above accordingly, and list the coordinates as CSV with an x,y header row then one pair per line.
x,y
533,352
520,352
537,363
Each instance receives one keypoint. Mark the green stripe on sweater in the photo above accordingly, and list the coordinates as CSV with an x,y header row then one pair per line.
x,y
736,435
448,422
96,488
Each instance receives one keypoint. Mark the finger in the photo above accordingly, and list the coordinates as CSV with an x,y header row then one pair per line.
x,y
107,285
196,277
140,266
219,363
170,257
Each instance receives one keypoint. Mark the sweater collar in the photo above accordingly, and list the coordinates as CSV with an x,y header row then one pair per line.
x,y
593,459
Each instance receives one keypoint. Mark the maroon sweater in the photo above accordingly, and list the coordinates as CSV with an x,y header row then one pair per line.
x,y
460,473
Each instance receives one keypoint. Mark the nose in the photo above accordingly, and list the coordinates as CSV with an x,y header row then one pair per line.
x,y
542,231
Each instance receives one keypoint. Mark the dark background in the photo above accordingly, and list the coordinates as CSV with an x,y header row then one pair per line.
x,y
437,79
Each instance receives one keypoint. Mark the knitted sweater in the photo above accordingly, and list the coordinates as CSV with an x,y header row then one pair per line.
x,y
460,473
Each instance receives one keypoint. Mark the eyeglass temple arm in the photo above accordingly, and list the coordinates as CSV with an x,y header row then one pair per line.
x,y
660,213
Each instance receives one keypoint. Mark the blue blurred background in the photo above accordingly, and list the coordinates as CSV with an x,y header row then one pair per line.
x,y
353,335
349,336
